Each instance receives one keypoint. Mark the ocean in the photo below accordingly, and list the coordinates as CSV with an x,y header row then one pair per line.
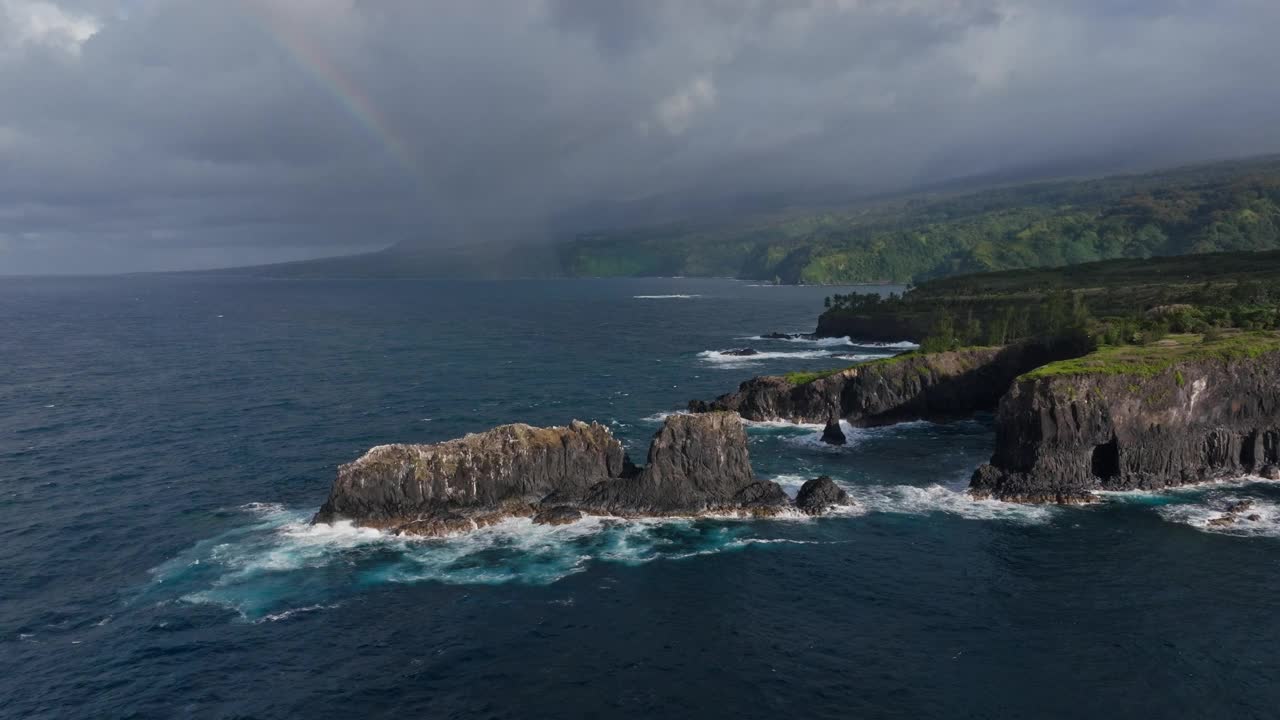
x,y
164,440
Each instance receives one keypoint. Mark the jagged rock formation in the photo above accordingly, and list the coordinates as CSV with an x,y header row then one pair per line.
x,y
430,489
821,495
832,434
932,386
1108,421
696,465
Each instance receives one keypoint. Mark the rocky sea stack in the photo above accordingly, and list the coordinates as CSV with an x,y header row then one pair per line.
x,y
697,465
1127,418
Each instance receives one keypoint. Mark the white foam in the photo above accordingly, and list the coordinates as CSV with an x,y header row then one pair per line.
x,y
250,570
665,297
860,357
660,417
291,612
263,509
780,424
905,344
805,338
1261,519
725,358
790,483
1243,481
913,500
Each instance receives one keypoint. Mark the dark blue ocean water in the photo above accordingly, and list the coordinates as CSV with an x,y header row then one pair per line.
x,y
163,440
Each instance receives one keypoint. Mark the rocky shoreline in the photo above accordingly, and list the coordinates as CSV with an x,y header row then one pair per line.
x,y
696,465
1068,425
910,386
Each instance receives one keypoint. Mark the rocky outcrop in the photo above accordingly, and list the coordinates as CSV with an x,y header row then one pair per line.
x,y
832,434
696,465
1152,419
931,386
821,495
434,489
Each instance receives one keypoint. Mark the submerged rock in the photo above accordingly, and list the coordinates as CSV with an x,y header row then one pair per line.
x,y
740,352
832,434
782,336
1137,419
821,495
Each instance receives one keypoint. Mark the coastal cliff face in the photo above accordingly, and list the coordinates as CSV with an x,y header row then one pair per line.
x,y
934,386
696,465
1114,422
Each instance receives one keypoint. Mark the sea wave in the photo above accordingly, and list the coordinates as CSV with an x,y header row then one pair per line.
x,y
1203,505
725,358
1261,518
661,417
282,567
924,500
665,297
917,500
804,338
903,345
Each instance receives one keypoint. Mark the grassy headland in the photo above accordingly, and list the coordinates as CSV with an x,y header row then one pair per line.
x,y
1154,358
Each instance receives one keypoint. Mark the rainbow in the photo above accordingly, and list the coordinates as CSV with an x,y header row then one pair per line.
x,y
312,62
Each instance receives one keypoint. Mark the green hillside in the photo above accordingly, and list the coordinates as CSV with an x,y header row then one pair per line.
x,y
1210,208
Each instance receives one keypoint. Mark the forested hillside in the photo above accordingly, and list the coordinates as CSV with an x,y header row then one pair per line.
x,y
1114,300
1211,208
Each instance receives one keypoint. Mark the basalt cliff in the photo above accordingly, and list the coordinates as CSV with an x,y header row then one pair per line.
x,y
912,386
1180,412
696,465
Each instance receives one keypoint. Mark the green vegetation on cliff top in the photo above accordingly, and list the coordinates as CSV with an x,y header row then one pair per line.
x,y
1146,361
804,378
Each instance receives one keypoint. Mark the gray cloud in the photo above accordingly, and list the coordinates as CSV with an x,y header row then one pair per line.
x,y
140,134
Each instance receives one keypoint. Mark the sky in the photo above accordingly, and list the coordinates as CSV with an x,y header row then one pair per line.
x,y
172,134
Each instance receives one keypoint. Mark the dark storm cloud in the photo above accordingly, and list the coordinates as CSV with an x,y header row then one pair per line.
x,y
170,133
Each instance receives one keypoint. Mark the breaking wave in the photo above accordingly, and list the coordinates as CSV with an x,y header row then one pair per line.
x,y
903,345
280,567
727,358
917,500
665,297
804,338
1248,506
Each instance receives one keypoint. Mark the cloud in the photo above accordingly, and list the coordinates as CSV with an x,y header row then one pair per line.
x,y
676,111
166,133
43,23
